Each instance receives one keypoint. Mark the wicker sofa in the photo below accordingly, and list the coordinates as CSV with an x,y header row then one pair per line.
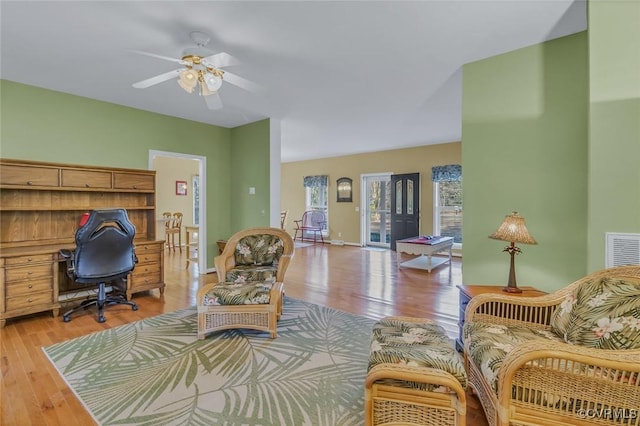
x,y
568,358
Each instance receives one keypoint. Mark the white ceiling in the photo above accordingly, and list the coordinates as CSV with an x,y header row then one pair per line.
x,y
343,77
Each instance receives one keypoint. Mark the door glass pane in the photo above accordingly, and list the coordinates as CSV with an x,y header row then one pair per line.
x,y
399,197
409,197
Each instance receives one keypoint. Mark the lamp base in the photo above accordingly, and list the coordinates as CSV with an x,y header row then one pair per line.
x,y
511,289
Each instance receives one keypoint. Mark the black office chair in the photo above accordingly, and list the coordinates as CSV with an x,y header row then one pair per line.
x,y
104,254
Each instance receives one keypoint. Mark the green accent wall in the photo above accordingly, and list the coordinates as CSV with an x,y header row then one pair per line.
x,y
250,153
44,125
524,148
614,123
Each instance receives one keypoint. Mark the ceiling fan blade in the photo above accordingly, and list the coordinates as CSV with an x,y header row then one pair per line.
x,y
213,101
157,79
220,60
154,55
242,82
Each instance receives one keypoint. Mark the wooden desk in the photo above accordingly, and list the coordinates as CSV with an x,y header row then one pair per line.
x,y
467,292
41,204
191,229
425,250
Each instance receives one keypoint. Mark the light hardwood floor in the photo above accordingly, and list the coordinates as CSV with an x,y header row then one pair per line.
x,y
351,279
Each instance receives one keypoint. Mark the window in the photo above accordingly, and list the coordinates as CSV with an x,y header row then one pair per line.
x,y
317,196
447,205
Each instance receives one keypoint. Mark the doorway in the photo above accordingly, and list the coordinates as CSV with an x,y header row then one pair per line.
x,y
376,210
195,194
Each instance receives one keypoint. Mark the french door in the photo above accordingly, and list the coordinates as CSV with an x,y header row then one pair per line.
x,y
376,206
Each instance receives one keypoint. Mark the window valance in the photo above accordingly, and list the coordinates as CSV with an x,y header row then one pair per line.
x,y
316,181
448,173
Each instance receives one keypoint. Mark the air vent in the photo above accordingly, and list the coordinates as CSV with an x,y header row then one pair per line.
x,y
622,249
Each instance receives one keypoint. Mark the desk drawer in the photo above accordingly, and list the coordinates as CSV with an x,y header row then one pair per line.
x,y
142,280
29,273
147,258
28,176
153,247
29,287
26,300
146,268
134,181
27,260
86,179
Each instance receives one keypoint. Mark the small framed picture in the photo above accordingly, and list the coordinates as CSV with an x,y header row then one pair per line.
x,y
181,187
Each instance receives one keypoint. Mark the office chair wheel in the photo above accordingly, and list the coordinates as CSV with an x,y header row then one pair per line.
x,y
66,318
134,307
101,318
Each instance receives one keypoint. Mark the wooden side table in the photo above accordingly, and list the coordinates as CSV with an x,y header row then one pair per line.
x,y
467,292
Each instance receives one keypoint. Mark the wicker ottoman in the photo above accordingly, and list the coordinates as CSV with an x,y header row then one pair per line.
x,y
415,376
255,305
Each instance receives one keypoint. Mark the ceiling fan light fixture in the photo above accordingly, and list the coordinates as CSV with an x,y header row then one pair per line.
x,y
189,78
212,81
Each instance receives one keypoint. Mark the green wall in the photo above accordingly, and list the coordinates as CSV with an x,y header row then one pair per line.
x,y
250,154
44,125
614,123
524,148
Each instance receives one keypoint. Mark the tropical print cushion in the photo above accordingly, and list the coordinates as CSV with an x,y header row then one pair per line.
x,y
241,274
253,293
606,314
260,249
415,344
490,343
561,317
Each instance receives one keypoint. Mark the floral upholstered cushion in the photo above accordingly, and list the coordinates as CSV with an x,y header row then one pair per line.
x,y
561,317
490,343
253,293
241,274
260,249
606,314
415,344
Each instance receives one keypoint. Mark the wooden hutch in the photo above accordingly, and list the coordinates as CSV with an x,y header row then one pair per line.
x,y
40,208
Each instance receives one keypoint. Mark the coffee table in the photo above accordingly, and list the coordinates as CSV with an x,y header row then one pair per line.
x,y
425,248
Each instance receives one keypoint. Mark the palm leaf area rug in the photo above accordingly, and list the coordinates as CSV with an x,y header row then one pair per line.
x,y
156,372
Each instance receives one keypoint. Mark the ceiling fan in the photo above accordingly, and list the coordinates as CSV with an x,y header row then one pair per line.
x,y
201,71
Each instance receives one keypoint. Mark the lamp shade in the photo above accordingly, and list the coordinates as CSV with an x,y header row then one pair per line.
x,y
513,230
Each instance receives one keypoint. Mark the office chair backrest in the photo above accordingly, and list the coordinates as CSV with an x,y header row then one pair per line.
x,y
104,247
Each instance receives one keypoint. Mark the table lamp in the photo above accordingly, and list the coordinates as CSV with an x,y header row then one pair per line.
x,y
514,231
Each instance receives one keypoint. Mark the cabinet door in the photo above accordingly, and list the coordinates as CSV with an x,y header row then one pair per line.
x,y
28,176
86,178
134,181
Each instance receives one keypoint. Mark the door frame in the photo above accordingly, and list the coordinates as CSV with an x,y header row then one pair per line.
x,y
202,205
363,207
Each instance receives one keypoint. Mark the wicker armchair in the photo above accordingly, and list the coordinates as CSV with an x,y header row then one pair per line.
x,y
555,360
242,261
249,290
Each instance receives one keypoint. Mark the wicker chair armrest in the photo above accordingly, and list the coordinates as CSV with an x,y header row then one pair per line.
x,y
570,372
408,373
283,264
202,291
511,310
223,263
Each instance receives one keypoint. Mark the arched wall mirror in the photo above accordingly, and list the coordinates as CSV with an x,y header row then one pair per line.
x,y
345,190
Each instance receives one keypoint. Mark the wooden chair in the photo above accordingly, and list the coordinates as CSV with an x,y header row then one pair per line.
x,y
175,228
167,217
283,219
313,221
